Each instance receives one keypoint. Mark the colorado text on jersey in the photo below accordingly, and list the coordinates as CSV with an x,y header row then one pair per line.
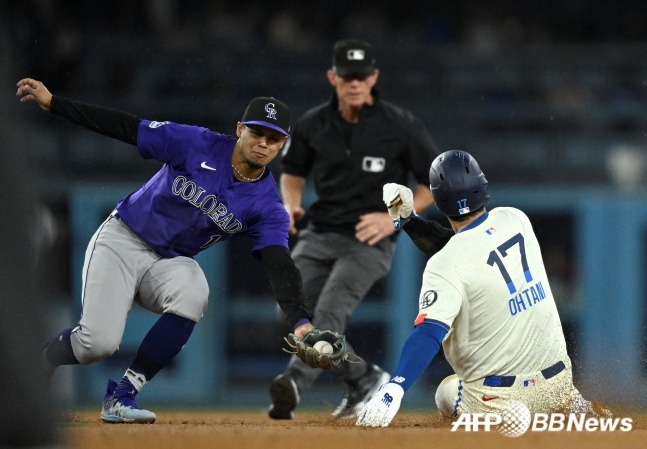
x,y
208,204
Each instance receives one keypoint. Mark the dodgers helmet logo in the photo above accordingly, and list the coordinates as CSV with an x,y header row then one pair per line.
x,y
271,112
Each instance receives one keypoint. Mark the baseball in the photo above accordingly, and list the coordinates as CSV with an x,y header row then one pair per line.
x,y
323,347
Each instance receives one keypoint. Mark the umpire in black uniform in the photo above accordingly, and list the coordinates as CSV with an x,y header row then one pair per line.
x,y
353,145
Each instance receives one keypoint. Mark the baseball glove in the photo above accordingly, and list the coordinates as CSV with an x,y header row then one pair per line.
x,y
313,358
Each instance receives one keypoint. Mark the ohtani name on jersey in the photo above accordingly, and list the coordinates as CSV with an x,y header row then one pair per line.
x,y
208,204
527,298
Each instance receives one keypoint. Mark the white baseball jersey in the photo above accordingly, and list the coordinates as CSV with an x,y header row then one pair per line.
x,y
489,286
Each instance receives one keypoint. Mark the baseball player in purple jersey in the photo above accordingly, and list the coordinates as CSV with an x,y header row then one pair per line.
x,y
211,187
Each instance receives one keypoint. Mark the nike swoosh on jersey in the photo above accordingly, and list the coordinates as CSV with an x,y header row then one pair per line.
x,y
204,165
488,398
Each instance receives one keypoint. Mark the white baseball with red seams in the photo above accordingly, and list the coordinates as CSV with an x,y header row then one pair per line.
x,y
323,347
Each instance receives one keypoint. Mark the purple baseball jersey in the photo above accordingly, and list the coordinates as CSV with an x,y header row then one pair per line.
x,y
194,201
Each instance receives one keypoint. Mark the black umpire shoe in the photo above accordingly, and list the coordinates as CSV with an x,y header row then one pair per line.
x,y
360,391
285,397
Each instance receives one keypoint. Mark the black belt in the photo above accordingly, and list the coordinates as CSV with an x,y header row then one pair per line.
x,y
508,381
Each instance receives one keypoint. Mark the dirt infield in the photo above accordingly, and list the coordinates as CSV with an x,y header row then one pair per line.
x,y
250,430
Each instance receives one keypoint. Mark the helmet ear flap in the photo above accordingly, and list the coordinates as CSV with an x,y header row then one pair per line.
x,y
457,183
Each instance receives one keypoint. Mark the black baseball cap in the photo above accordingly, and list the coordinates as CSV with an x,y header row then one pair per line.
x,y
353,57
268,112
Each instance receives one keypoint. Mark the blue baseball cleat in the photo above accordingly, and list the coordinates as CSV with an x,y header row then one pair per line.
x,y
119,406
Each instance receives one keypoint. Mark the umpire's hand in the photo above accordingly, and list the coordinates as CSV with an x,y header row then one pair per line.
x,y
374,227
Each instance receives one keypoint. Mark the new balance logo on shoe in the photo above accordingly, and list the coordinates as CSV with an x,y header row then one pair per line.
x,y
387,399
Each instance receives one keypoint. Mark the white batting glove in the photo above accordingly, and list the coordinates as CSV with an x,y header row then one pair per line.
x,y
382,408
399,202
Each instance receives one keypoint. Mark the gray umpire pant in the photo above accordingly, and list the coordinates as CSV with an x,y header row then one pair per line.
x,y
337,270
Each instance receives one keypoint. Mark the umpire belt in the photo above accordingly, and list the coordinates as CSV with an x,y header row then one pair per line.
x,y
508,381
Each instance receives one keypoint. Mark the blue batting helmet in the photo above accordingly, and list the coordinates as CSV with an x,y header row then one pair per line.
x,y
457,183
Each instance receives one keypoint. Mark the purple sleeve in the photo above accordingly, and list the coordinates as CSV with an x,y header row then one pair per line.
x,y
272,229
167,142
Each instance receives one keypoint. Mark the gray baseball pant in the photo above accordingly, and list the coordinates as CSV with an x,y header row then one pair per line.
x,y
121,269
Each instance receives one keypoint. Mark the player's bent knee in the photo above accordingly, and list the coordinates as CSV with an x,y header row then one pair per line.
x,y
192,307
90,350
188,301
447,396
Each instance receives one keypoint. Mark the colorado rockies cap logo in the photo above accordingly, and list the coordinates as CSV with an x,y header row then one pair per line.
x,y
271,111
428,299
268,112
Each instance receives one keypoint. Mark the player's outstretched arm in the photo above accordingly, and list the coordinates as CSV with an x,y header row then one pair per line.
x,y
429,236
116,124
286,283
31,90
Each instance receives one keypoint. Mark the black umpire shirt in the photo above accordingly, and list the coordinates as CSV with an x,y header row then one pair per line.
x,y
351,162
